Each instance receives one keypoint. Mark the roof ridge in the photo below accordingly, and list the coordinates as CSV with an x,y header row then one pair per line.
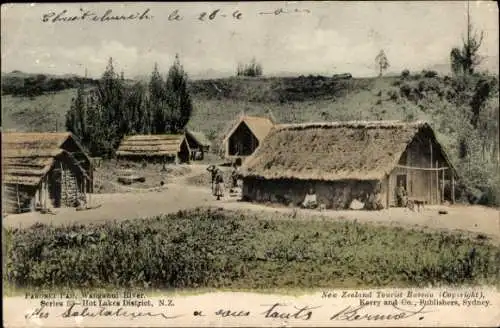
x,y
257,117
386,124
32,132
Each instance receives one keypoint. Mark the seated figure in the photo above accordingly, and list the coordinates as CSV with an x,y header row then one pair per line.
x,y
310,200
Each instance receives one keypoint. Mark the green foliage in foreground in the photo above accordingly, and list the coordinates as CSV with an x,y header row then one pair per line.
x,y
212,249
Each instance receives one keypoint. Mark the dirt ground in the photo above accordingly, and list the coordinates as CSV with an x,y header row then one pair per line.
x,y
106,176
178,195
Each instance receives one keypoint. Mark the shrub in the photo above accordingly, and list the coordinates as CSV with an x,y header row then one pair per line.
x,y
407,91
393,95
405,73
429,85
429,73
210,248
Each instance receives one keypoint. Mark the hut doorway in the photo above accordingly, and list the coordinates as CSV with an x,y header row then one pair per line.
x,y
242,142
402,180
55,187
184,153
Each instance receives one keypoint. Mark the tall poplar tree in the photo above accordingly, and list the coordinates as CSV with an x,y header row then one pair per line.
x,y
179,99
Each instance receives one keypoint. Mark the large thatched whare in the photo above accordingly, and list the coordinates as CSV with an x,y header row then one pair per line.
x,y
344,161
155,148
42,170
245,136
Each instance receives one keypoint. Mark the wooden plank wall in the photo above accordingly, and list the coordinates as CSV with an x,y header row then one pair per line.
x,y
422,184
18,198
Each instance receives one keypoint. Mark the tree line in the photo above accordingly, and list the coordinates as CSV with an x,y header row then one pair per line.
x,y
476,105
464,109
253,68
101,117
36,85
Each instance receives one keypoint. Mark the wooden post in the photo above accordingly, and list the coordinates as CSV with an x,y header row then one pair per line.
x,y
18,202
388,192
62,185
442,186
430,187
40,199
452,187
45,192
91,182
91,177
85,190
437,183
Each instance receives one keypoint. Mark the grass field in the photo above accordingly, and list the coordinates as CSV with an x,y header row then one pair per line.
x,y
42,113
217,103
219,249
106,175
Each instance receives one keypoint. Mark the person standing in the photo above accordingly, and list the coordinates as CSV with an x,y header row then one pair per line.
x,y
219,184
213,172
234,177
401,195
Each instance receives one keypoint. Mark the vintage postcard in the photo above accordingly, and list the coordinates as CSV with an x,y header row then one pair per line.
x,y
222,164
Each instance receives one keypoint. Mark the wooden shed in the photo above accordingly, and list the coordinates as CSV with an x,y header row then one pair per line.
x,y
160,148
343,161
245,136
198,144
42,170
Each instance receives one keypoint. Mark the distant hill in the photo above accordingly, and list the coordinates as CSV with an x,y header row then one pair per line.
x,y
17,83
20,74
217,102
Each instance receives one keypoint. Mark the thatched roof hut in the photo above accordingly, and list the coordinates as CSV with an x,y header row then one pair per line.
x,y
43,167
159,146
246,135
198,144
347,151
199,138
27,157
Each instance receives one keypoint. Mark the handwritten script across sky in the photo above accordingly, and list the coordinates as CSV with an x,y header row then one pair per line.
x,y
65,16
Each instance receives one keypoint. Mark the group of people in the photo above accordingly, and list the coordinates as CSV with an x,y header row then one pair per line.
x,y
310,200
217,176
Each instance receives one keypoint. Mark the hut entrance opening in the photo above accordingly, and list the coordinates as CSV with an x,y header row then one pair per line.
x,y
184,152
401,181
432,191
242,142
55,187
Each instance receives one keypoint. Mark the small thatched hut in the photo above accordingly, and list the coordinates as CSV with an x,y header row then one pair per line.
x,y
245,136
344,161
161,148
42,170
198,144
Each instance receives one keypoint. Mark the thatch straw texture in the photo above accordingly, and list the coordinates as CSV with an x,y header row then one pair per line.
x,y
27,157
200,138
354,150
260,126
151,145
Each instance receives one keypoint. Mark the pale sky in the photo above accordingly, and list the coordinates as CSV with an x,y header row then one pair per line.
x,y
334,37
